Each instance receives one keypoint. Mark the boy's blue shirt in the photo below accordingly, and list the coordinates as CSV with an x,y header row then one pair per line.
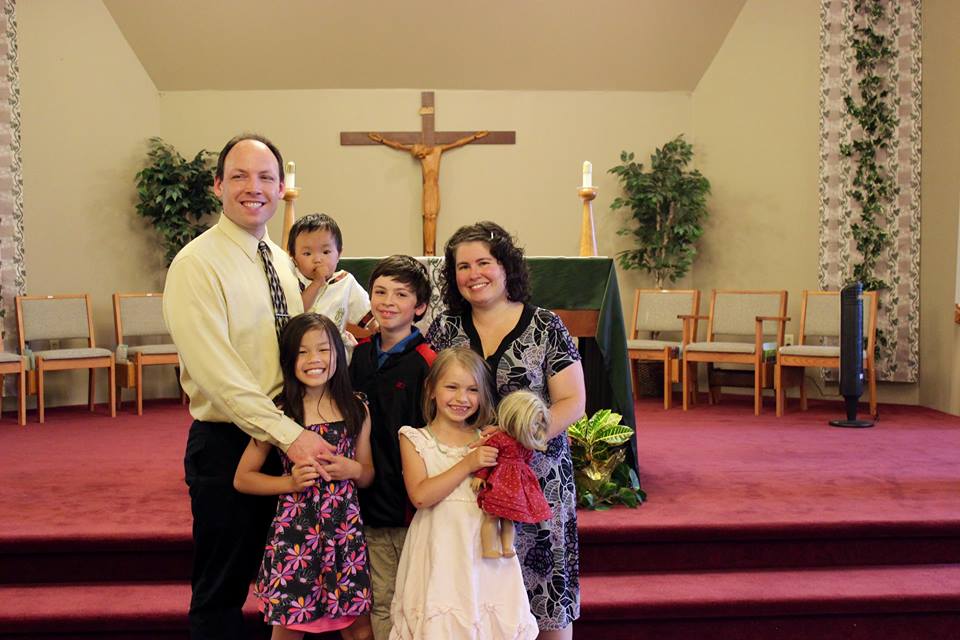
x,y
400,347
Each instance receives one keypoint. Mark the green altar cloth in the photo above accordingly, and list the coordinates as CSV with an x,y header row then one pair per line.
x,y
574,284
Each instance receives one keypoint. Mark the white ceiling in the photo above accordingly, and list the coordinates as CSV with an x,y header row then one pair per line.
x,y
623,45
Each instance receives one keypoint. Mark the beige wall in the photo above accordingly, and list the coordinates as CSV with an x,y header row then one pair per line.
x,y
87,107
939,347
374,191
756,130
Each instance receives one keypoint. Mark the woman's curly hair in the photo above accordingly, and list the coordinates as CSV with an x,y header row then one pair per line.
x,y
502,247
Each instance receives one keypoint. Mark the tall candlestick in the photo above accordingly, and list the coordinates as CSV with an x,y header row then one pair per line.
x,y
587,174
290,176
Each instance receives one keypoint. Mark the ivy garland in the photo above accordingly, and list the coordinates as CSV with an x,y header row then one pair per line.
x,y
873,187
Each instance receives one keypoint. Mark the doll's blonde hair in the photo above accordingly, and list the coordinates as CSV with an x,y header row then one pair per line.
x,y
525,417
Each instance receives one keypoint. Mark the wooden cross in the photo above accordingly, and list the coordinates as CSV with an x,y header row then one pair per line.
x,y
427,145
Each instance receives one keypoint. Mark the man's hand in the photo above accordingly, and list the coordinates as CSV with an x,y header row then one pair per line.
x,y
376,137
308,448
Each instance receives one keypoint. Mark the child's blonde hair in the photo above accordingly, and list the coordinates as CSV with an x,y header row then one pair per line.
x,y
473,365
525,417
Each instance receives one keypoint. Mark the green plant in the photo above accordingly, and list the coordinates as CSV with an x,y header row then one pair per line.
x,y
873,111
668,205
176,194
601,476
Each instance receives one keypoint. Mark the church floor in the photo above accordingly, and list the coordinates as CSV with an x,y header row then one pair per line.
x,y
756,527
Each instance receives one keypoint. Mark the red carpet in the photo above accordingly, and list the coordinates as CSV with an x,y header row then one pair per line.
x,y
755,527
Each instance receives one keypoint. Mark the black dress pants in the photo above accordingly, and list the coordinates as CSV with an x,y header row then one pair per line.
x,y
229,529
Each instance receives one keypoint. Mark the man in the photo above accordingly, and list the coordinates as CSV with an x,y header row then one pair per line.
x,y
228,294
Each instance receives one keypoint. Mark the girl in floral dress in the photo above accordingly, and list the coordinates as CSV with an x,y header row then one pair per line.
x,y
315,576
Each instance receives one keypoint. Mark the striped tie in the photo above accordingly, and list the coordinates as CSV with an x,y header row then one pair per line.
x,y
280,314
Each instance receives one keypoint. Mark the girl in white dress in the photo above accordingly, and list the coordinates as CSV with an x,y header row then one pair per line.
x,y
445,588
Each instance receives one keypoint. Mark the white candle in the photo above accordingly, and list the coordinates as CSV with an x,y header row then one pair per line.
x,y
587,174
290,176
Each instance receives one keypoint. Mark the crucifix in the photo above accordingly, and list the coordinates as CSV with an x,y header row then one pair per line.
x,y
427,145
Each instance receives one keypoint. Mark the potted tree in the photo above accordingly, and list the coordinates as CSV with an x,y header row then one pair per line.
x,y
176,194
668,204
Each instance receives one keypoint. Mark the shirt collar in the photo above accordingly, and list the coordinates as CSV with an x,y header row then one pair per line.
x,y
400,347
241,237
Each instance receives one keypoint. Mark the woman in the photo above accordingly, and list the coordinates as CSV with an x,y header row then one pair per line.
x,y
486,290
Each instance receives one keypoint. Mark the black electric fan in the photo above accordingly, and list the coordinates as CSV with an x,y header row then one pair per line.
x,y
851,355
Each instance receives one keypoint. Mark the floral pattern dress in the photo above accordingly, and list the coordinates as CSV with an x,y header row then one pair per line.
x,y
315,573
536,349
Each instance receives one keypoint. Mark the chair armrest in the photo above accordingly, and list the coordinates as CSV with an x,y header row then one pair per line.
x,y
689,322
758,331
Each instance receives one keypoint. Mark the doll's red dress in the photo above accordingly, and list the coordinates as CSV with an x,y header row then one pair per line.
x,y
511,490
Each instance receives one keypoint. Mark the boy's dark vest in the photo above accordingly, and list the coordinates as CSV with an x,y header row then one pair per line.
x,y
395,394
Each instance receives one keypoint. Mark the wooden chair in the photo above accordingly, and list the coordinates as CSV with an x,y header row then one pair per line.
x,y
738,314
140,315
820,316
65,317
13,363
657,311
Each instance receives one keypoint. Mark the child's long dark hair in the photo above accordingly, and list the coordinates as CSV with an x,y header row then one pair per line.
x,y
338,387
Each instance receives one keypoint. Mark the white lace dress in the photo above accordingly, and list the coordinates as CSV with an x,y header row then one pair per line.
x,y
445,588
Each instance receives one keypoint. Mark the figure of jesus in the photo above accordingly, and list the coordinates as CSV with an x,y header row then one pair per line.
x,y
429,157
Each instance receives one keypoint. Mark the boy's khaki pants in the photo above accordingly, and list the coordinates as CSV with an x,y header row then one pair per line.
x,y
384,545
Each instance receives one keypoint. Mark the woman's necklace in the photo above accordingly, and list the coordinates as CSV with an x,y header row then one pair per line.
x,y
445,450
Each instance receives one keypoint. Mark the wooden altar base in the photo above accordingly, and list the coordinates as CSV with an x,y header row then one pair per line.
x,y
756,527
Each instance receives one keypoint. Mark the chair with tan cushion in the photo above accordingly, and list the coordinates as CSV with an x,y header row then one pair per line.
x,y
657,312
66,317
140,316
12,363
820,318
751,325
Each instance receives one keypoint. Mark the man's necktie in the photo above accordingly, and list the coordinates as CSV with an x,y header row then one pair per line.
x,y
280,313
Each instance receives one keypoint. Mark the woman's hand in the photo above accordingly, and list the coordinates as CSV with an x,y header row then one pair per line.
x,y
304,476
482,456
341,467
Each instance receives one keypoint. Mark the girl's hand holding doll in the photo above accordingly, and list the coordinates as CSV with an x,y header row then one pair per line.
x,y
482,456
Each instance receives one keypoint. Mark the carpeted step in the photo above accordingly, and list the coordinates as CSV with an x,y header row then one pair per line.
x,y
627,540
863,602
866,602
116,611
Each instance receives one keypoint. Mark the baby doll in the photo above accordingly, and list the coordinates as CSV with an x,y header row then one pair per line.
x,y
510,492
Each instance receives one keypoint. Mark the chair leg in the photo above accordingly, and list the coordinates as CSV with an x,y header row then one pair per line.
x,y
757,397
872,380
40,389
138,381
113,391
803,391
685,382
22,399
667,379
778,388
92,388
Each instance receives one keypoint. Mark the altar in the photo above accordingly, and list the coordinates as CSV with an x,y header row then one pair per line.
x,y
585,294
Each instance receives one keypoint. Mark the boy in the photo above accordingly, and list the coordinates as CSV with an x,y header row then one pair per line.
x,y
315,245
390,368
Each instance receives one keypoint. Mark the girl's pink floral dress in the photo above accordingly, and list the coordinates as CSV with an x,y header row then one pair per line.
x,y
315,574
